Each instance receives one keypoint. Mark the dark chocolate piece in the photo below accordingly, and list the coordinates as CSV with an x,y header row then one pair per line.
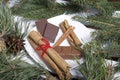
x,y
51,32
68,52
41,25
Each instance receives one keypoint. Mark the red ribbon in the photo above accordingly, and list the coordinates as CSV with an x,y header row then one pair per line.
x,y
43,47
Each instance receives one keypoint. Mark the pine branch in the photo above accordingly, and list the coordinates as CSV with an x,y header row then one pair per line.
x,y
100,21
38,9
6,22
109,27
103,6
116,5
19,70
117,68
94,67
105,44
20,29
108,34
30,6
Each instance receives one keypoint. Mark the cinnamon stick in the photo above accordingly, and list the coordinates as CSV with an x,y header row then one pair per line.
x,y
57,59
74,37
63,37
70,40
48,61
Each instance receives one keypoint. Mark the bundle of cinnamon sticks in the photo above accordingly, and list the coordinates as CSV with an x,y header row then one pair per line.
x,y
72,37
49,55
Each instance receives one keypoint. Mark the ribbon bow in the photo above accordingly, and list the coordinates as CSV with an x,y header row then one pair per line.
x,y
43,47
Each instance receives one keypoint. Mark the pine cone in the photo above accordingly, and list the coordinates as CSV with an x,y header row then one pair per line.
x,y
14,43
2,45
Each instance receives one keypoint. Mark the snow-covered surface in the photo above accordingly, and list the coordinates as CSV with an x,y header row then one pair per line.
x,y
116,14
60,1
11,3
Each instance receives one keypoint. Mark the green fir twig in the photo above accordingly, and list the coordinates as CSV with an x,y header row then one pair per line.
x,y
15,69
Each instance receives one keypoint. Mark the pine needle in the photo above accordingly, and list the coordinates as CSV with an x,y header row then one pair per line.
x,y
16,69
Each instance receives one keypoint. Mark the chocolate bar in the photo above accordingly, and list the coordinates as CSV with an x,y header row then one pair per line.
x,y
41,25
47,30
51,32
68,52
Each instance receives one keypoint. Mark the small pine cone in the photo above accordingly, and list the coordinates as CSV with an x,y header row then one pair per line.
x,y
14,43
2,45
